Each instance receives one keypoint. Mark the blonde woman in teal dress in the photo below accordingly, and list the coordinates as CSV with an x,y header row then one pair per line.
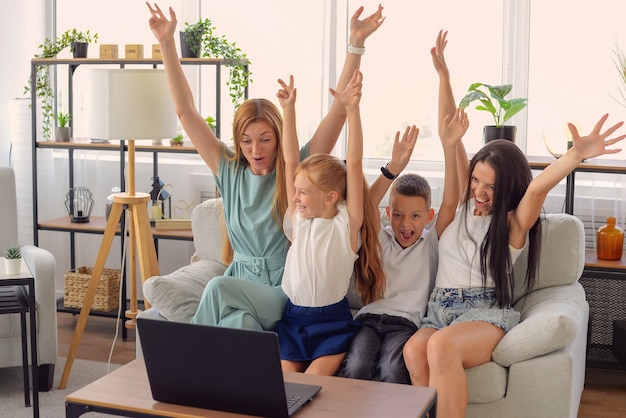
x,y
251,179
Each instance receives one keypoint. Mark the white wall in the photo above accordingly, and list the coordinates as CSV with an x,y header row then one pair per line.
x,y
18,47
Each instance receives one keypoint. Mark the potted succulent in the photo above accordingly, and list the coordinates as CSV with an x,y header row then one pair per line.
x,y
198,40
63,130
13,260
500,108
177,141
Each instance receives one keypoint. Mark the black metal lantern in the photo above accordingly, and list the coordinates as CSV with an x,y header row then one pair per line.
x,y
79,203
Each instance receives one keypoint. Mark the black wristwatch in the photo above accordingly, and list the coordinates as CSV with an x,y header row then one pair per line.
x,y
388,173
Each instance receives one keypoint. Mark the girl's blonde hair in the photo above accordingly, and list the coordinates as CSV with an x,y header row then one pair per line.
x,y
328,173
251,111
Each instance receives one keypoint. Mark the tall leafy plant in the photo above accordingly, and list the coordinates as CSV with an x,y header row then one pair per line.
x,y
495,103
619,60
204,42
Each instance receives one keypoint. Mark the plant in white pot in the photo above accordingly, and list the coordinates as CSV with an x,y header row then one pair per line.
x,y
13,260
500,108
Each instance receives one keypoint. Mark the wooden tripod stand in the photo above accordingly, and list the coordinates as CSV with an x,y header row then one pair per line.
x,y
140,242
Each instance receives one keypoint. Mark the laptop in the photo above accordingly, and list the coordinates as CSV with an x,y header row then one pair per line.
x,y
217,368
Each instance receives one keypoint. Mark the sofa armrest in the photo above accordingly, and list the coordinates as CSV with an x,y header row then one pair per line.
x,y
43,267
550,320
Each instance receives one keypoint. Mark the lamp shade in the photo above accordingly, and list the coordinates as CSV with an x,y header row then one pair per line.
x,y
129,104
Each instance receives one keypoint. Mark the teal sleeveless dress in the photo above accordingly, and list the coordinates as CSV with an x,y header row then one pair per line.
x,y
248,295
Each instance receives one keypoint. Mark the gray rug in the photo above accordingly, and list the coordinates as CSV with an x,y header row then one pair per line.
x,y
52,403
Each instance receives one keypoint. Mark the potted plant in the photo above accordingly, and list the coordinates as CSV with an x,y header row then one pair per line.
x,y
210,120
50,49
177,141
500,108
63,130
78,41
13,260
198,40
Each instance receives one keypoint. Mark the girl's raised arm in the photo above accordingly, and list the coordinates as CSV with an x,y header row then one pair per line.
x,y
287,98
351,98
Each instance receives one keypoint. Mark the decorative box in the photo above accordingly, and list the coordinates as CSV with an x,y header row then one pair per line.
x,y
156,52
108,51
133,51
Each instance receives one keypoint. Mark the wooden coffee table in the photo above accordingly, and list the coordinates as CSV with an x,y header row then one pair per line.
x,y
126,392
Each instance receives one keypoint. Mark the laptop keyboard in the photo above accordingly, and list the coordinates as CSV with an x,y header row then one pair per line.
x,y
292,400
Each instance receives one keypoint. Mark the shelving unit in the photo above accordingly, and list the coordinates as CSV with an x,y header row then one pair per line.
x,y
96,225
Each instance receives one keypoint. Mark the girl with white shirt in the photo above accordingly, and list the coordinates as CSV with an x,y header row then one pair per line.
x,y
333,227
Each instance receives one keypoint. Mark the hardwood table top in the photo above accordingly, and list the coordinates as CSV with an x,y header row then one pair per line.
x,y
127,390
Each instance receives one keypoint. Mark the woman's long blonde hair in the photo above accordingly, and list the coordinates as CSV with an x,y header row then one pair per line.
x,y
328,173
251,111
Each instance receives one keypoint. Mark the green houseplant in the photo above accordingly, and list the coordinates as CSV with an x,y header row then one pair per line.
x,y
13,260
495,103
63,133
50,48
78,41
200,41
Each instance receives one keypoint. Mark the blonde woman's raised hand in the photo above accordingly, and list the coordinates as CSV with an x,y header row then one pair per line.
x,y
160,26
287,93
596,143
361,29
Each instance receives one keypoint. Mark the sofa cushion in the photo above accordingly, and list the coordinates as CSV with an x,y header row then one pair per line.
x,y
559,264
177,295
205,226
549,319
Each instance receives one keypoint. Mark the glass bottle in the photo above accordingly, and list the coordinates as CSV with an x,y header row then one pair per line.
x,y
610,241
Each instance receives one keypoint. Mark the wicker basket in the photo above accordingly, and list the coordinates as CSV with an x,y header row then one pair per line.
x,y
107,295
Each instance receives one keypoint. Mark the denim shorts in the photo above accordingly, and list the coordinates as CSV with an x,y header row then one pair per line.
x,y
453,306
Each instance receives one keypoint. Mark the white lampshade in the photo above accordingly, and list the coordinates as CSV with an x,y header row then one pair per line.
x,y
129,104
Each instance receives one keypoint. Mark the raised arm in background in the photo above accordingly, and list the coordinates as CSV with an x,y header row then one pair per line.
x,y
589,146
327,133
201,135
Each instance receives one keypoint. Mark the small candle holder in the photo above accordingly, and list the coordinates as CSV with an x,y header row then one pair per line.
x,y
79,203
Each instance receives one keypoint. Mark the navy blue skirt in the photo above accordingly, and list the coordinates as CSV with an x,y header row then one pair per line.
x,y
306,333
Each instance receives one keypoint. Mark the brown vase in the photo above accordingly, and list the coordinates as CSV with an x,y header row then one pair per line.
x,y
610,241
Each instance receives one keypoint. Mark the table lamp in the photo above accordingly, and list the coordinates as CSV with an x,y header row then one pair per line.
x,y
128,105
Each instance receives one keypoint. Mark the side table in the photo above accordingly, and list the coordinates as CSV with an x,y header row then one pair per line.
x,y
605,285
17,295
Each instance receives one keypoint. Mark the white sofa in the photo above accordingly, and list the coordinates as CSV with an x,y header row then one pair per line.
x,y
537,370
42,265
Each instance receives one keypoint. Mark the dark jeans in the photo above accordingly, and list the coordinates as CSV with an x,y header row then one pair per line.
x,y
376,351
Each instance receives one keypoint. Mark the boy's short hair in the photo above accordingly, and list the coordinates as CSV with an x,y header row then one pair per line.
x,y
411,185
